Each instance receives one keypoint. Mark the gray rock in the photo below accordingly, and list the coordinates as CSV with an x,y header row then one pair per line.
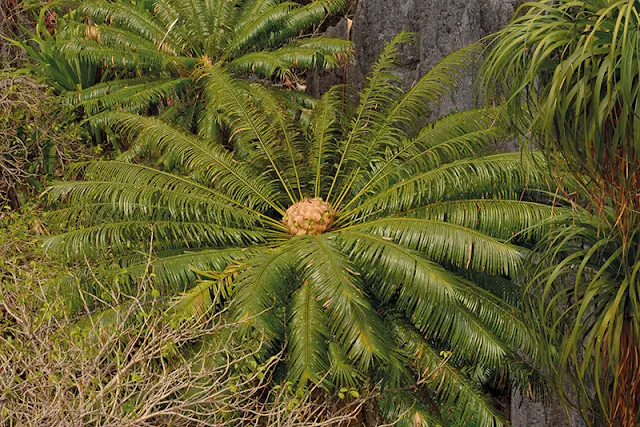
x,y
526,412
441,28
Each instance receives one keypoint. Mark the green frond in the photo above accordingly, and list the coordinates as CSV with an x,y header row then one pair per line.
x,y
304,18
281,62
213,163
379,92
343,373
407,109
167,12
254,34
354,322
473,407
131,18
341,49
324,130
220,14
403,409
132,95
466,177
264,64
174,269
262,291
288,132
455,137
195,20
206,295
113,36
122,58
501,218
427,293
119,236
308,335
224,93
449,243
93,202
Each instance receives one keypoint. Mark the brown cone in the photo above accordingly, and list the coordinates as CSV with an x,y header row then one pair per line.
x,y
310,216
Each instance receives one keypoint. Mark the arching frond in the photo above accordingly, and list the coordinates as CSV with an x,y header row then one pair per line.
x,y
406,110
406,410
455,137
472,176
119,236
213,163
253,128
135,189
308,335
449,243
504,219
122,58
355,323
472,406
255,32
261,293
129,95
130,18
428,294
302,18
323,131
173,269
379,92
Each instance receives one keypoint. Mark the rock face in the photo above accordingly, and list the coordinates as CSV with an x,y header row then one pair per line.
x,y
527,413
441,27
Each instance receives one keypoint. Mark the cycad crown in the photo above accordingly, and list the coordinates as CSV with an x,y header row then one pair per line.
x,y
159,49
411,216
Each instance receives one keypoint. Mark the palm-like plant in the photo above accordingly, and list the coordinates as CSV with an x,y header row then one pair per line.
x,y
389,263
569,73
586,298
158,47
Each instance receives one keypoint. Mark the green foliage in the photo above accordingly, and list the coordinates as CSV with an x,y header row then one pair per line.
x,y
568,71
384,294
587,294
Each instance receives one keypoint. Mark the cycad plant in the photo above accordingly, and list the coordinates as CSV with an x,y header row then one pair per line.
x,y
569,73
371,248
156,48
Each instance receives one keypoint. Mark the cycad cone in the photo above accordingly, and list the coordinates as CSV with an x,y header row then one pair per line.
x,y
310,216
